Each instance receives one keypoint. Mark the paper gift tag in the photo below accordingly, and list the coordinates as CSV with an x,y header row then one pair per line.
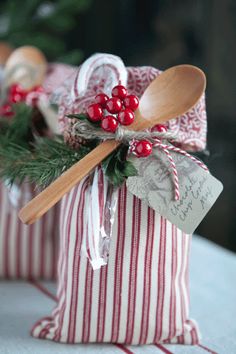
x,y
154,184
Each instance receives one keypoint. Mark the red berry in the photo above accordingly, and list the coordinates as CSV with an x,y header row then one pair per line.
x,y
114,105
109,124
131,102
126,117
101,99
95,112
17,97
143,148
16,94
119,91
6,110
159,128
15,88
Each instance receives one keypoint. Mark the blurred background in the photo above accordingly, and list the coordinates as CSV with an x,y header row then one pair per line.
x,y
160,33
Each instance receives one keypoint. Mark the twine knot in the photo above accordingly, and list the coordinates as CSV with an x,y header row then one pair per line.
x,y
86,130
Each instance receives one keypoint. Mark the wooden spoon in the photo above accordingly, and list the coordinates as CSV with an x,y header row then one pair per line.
x,y
26,65
171,94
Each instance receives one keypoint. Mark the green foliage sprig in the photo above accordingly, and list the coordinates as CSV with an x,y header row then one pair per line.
x,y
117,168
41,160
42,164
17,129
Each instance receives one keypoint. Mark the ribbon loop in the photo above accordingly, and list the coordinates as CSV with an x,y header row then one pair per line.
x,y
167,148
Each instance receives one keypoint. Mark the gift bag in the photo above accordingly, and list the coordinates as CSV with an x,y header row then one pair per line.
x,y
29,251
141,295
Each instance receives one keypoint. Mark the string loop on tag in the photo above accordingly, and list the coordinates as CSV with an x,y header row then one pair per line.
x,y
166,149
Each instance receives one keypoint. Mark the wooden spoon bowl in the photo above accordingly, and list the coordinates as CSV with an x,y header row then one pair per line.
x,y
26,65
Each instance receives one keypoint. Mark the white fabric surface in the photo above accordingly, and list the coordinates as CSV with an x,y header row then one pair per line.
x,y
213,295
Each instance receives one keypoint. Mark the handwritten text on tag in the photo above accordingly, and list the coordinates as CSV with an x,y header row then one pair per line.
x,y
154,184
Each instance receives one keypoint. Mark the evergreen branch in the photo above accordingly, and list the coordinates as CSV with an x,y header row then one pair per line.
x,y
42,160
48,160
18,128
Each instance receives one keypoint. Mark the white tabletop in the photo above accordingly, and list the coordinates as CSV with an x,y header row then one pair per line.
x,y
213,299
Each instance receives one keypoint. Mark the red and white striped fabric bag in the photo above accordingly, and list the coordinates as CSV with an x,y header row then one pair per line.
x,y
29,251
142,295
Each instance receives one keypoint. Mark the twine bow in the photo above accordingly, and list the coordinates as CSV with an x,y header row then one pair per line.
x,y
86,130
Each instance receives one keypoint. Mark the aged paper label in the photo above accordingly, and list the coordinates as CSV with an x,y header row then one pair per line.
x,y
154,184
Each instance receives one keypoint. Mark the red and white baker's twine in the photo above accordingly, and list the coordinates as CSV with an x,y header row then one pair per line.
x,y
166,148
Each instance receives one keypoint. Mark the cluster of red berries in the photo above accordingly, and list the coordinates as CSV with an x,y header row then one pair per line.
x,y
17,94
121,107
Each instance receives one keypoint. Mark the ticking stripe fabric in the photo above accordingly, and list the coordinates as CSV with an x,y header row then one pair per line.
x,y
140,297
28,252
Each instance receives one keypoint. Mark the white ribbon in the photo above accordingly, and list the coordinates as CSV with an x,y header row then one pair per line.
x,y
14,193
99,214
100,206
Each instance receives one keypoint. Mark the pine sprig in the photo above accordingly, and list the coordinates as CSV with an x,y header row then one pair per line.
x,y
42,165
12,158
50,159
17,129
41,160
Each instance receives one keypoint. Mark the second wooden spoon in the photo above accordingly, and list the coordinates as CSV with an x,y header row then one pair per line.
x,y
170,95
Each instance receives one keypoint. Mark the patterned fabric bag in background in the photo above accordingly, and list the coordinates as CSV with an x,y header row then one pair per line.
x,y
29,251
142,295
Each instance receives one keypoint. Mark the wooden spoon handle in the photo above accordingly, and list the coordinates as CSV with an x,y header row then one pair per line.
x,y
53,193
